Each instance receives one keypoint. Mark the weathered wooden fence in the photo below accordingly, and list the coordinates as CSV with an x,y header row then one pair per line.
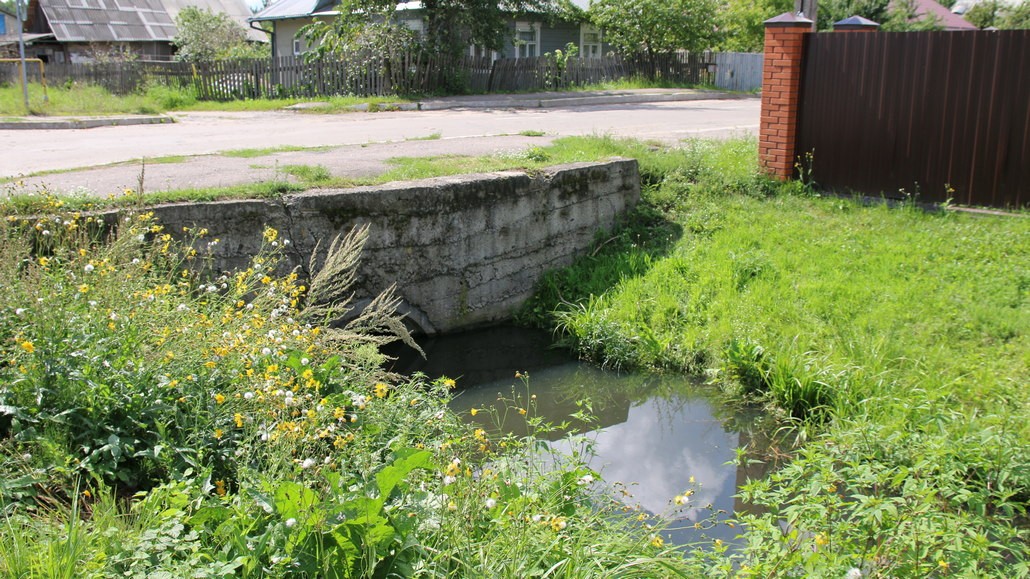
x,y
942,114
740,71
406,73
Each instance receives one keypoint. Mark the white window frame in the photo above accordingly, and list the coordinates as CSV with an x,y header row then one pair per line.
x,y
478,51
416,25
298,47
532,47
590,49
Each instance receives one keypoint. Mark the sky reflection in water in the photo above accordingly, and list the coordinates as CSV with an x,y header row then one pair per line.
x,y
653,443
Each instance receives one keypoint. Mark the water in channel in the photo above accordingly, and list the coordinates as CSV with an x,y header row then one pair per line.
x,y
652,433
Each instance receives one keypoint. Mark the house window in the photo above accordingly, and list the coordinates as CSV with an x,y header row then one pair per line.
x,y
527,39
589,41
298,47
479,51
415,25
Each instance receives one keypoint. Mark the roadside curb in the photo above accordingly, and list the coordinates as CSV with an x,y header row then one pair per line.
x,y
28,123
537,101
574,101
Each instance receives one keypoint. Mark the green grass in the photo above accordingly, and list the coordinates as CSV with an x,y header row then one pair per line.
x,y
891,343
430,137
87,100
164,419
265,151
531,133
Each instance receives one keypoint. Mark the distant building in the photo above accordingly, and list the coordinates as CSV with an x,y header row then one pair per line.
x,y
91,30
529,36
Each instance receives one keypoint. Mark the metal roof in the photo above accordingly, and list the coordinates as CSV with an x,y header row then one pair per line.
x,y
108,20
287,9
238,10
129,20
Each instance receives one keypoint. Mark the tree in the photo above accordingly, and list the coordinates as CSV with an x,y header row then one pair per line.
x,y
657,26
451,25
903,17
994,13
203,36
831,11
742,23
1016,17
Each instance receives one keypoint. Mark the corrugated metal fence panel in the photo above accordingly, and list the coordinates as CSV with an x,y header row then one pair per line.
x,y
738,71
945,115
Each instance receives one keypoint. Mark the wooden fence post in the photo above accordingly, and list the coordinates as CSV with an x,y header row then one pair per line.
x,y
781,83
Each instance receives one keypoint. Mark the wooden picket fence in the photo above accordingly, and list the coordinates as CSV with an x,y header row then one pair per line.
x,y
415,72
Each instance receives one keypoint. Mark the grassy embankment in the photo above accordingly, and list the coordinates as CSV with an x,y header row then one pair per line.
x,y
892,341
159,419
88,100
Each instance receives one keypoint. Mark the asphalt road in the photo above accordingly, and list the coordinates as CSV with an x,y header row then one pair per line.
x,y
360,142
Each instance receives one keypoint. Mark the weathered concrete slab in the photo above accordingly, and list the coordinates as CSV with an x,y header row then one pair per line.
x,y
463,251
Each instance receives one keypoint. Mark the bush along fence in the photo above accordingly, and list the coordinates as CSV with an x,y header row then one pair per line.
x,y
414,72
934,116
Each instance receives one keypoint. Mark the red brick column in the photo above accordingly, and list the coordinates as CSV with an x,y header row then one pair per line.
x,y
781,82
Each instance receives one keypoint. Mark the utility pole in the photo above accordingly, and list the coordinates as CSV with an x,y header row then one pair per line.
x,y
809,8
20,9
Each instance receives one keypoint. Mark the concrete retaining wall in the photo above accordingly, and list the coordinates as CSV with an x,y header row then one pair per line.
x,y
463,251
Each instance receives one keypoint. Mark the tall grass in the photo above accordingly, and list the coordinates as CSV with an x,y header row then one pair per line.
x,y
879,335
158,418
83,99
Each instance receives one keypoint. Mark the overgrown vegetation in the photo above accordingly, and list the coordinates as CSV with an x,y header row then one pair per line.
x,y
892,341
81,100
158,418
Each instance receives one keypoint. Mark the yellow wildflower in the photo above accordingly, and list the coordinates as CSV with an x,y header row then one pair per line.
x,y
218,433
381,390
474,411
219,398
28,346
449,383
220,487
238,419
270,234
658,541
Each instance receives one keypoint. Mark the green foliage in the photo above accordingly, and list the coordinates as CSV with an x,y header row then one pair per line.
x,y
657,26
903,17
203,36
941,498
899,372
159,419
742,23
831,11
993,13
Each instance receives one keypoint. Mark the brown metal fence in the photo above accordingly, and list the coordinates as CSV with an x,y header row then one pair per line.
x,y
941,115
414,72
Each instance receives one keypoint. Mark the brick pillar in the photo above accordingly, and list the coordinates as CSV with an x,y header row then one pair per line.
x,y
781,82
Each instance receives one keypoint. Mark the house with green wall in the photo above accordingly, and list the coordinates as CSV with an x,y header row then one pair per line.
x,y
529,35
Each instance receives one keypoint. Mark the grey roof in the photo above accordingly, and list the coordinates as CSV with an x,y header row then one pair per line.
x,y
238,10
128,20
286,9
108,20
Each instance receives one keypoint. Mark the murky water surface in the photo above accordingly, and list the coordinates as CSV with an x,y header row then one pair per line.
x,y
653,433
